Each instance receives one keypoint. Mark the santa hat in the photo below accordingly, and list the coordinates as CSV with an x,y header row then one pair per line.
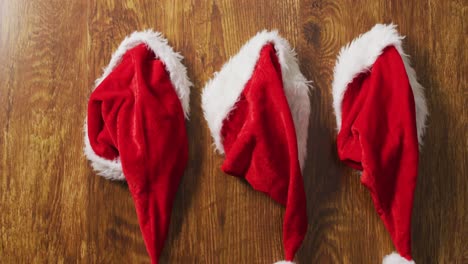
x,y
257,108
135,128
381,112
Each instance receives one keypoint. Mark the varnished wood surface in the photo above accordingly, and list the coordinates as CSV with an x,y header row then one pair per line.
x,y
54,209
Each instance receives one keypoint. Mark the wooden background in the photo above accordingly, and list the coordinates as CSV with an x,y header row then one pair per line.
x,y
54,209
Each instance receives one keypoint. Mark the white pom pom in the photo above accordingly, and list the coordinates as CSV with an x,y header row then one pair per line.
x,y
284,262
395,258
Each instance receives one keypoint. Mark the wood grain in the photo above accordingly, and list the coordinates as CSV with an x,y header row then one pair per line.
x,y
54,209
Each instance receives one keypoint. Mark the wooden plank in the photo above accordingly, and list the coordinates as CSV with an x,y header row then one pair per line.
x,y
55,209
42,80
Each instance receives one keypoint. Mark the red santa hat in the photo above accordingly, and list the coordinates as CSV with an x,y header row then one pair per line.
x,y
135,128
381,112
257,108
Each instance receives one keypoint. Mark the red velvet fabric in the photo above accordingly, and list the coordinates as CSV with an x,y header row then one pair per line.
x,y
135,114
378,136
260,145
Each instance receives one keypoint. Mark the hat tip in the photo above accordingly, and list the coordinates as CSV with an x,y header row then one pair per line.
x,y
396,258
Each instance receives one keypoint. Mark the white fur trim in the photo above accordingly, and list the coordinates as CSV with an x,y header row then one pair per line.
x,y
112,169
109,169
395,258
360,54
284,262
172,60
222,92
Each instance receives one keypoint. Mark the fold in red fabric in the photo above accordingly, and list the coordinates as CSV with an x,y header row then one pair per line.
x,y
261,146
135,115
378,136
